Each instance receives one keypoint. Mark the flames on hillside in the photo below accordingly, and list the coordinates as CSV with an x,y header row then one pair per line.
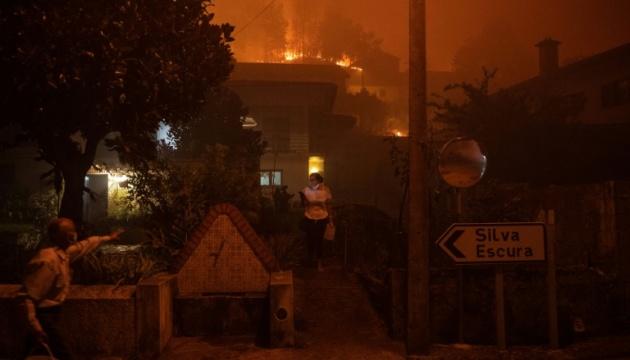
x,y
297,56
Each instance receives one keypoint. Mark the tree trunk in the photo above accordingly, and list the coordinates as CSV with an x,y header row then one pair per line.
x,y
72,199
74,168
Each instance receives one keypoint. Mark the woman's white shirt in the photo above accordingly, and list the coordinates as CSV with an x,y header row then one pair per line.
x,y
317,198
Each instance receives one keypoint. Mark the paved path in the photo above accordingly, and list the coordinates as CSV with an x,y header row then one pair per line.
x,y
335,321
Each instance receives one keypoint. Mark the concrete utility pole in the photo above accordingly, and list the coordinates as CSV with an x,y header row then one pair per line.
x,y
418,321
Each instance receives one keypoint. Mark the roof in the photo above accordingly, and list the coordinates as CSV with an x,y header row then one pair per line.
x,y
548,42
618,53
573,153
258,245
288,93
330,73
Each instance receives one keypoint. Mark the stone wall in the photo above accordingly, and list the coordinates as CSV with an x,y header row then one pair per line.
x,y
155,311
101,320
98,320
218,315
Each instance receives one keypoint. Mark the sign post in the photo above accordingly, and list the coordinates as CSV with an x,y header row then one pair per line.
x,y
497,243
499,291
460,276
462,164
552,284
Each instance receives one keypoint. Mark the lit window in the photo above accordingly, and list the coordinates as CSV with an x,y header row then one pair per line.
x,y
316,165
270,177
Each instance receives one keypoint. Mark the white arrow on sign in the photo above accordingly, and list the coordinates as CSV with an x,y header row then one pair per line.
x,y
495,243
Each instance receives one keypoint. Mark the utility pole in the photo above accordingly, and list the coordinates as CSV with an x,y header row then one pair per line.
x,y
418,321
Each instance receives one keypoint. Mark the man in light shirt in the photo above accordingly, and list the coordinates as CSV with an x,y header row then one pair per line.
x,y
316,198
47,283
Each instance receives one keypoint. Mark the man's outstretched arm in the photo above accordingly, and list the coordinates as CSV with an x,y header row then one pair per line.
x,y
90,244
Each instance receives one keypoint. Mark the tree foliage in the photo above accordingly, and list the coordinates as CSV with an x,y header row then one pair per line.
x,y
261,28
176,195
356,43
214,160
371,112
519,130
74,72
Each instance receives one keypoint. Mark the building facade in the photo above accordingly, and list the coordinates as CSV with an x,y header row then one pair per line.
x,y
602,80
293,106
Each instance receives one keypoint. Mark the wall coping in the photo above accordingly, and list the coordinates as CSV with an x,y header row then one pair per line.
x,y
81,292
258,246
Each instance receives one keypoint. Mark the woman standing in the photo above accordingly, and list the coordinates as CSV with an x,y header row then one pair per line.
x,y
316,199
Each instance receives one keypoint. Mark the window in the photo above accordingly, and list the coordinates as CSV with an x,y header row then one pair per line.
x,y
616,93
316,165
270,177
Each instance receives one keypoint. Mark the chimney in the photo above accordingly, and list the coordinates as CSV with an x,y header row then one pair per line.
x,y
548,56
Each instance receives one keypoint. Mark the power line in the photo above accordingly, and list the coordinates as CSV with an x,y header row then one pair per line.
x,y
267,7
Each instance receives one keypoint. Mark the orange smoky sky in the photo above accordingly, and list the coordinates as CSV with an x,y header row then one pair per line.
x,y
584,27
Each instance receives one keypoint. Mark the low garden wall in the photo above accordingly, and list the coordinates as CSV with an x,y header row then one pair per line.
x,y
218,315
100,320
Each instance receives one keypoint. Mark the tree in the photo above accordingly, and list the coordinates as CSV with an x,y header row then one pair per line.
x,y
520,131
74,72
220,122
261,28
371,112
361,47
274,32
305,16
214,160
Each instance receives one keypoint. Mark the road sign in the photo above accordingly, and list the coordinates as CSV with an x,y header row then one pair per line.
x,y
494,243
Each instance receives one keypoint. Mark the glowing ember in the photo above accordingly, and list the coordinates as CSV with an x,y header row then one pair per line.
x,y
292,55
397,133
345,61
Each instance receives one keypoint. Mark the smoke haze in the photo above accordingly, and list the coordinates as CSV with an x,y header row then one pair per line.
x,y
585,27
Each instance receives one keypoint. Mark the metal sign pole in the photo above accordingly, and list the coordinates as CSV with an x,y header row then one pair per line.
x,y
452,156
552,284
500,305
460,276
460,304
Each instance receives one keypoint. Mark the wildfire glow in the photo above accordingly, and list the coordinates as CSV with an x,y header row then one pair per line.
x,y
345,61
292,55
397,133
